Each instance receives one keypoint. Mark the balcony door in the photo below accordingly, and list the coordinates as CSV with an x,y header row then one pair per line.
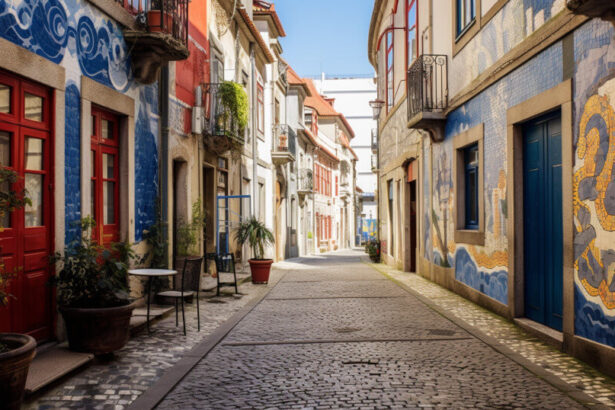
x,y
27,234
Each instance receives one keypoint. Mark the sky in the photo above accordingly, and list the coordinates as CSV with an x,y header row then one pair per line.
x,y
326,35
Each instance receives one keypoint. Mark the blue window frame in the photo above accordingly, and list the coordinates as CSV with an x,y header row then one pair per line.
x,y
466,13
470,156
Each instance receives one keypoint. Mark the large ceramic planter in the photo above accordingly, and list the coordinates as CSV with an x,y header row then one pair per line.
x,y
97,330
260,269
14,366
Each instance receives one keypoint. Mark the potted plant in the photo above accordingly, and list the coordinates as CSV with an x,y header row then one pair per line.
x,y
257,236
16,350
160,17
93,293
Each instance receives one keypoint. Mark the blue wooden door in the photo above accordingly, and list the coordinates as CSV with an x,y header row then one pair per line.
x,y
542,210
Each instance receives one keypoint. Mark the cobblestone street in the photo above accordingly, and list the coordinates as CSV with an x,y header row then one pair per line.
x,y
334,332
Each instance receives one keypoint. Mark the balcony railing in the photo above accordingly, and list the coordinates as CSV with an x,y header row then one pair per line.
x,y
374,140
219,120
428,85
305,181
161,35
285,139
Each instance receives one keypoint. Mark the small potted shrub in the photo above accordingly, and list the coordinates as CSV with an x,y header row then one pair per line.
x,y
372,247
16,350
93,293
257,236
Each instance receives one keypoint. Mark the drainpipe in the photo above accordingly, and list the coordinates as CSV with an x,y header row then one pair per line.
x,y
164,153
253,104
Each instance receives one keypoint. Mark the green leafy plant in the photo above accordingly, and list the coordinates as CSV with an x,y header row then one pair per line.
x,y
256,235
372,247
10,200
90,275
157,254
188,233
235,99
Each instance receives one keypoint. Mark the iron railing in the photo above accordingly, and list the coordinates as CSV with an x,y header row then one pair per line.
x,y
374,140
219,120
162,16
428,84
284,139
305,181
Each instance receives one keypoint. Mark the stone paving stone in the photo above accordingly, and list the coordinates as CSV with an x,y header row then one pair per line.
x,y
570,370
346,289
117,383
303,362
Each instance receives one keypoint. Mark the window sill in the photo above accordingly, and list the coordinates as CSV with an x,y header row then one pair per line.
x,y
470,237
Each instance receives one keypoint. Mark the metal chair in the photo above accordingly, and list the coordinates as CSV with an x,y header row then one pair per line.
x,y
225,263
189,284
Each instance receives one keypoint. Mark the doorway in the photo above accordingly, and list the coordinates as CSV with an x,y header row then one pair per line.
x,y
26,147
279,248
411,212
542,210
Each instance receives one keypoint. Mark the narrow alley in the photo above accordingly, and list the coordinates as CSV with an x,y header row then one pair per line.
x,y
334,332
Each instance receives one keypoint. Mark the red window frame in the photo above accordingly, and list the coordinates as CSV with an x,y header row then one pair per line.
x,y
260,102
412,9
390,63
336,186
105,233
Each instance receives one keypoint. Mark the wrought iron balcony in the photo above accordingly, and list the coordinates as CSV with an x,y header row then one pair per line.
x,y
374,140
427,84
221,131
305,182
284,144
163,36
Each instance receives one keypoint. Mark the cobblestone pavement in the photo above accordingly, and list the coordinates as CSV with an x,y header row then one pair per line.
x,y
567,368
335,333
117,383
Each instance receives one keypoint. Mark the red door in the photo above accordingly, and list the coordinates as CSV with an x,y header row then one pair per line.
x,y
26,240
105,175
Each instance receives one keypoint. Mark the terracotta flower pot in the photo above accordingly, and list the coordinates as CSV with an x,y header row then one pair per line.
x,y
159,22
97,330
14,366
260,269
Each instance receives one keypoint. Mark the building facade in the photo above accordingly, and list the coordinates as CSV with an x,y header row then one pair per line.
x,y
496,115
352,96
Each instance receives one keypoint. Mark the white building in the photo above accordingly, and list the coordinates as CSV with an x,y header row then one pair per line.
x,y
351,98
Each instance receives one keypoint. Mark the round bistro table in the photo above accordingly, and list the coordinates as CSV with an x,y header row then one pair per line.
x,y
150,274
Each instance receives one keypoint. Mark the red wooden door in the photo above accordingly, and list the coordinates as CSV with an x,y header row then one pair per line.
x,y
26,240
105,176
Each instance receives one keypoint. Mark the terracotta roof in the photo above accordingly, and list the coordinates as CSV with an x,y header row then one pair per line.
x,y
346,144
323,107
294,79
255,33
319,145
263,8
358,189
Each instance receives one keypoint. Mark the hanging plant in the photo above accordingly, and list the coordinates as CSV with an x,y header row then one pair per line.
x,y
235,99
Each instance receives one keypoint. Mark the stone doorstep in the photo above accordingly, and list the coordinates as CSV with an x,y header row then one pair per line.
x,y
546,334
52,364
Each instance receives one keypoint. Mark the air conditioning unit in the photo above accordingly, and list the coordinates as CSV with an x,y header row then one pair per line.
x,y
197,120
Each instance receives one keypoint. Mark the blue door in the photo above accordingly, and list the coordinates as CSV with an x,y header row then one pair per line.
x,y
542,210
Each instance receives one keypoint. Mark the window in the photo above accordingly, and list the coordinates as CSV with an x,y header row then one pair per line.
x,y
389,68
336,187
261,108
105,175
466,13
470,163
411,29
469,197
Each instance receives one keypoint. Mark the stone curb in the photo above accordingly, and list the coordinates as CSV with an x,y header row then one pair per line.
x,y
158,391
571,391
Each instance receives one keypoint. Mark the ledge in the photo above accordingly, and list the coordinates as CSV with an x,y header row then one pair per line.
x,y
432,122
470,237
116,12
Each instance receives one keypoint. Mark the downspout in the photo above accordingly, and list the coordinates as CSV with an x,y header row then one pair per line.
x,y
253,104
164,154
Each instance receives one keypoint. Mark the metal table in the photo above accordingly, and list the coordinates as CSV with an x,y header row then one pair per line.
x,y
151,273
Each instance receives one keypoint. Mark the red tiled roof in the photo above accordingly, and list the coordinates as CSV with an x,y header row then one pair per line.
x,y
265,8
319,145
358,189
323,107
259,39
294,79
